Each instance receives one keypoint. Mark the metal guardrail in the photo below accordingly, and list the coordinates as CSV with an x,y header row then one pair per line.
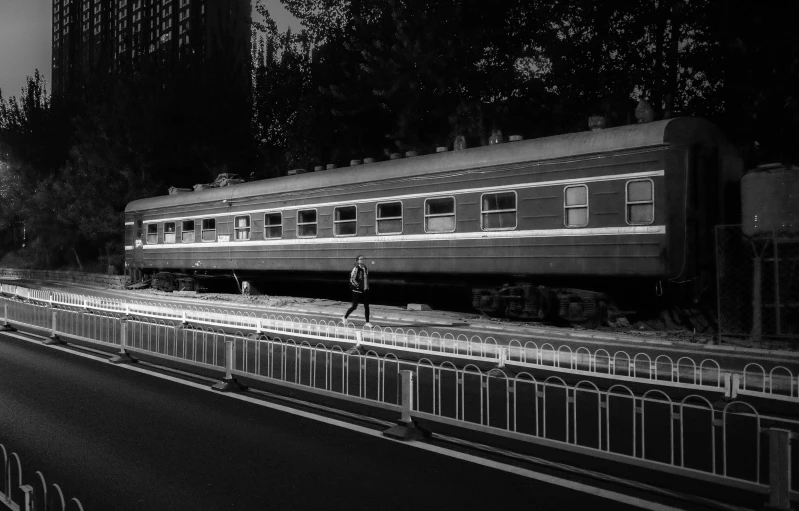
x,y
779,382
17,496
690,437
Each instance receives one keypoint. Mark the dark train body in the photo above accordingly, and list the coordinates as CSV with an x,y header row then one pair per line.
x,y
526,224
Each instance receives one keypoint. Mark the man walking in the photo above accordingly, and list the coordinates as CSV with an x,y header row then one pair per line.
x,y
359,283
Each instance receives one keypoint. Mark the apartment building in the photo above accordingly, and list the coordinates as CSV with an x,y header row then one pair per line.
x,y
91,36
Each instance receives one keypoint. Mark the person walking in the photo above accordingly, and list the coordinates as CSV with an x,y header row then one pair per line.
x,y
359,283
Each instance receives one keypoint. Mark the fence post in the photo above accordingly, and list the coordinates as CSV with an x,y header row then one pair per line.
x,y
503,358
54,339
123,357
4,326
27,504
358,340
406,429
727,378
229,383
779,464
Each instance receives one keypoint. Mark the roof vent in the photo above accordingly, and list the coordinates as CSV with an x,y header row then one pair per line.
x,y
597,122
395,156
353,163
331,166
459,144
441,149
318,168
516,138
294,172
644,112
173,190
411,154
368,160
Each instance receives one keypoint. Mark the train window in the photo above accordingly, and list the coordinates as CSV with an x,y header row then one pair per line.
x,y
242,227
498,211
209,229
306,223
640,202
138,229
575,206
389,218
169,232
345,221
273,225
439,215
152,234
187,231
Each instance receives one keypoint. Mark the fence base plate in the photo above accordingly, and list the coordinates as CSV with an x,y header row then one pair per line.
x,y
53,340
123,358
6,328
229,385
405,431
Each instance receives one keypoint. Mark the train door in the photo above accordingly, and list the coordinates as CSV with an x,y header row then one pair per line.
x,y
138,249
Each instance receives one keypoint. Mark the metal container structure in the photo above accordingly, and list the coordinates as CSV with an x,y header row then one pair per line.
x,y
770,200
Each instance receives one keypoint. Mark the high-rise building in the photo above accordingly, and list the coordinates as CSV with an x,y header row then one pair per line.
x,y
96,35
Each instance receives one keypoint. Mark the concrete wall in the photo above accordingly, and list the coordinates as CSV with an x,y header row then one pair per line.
x,y
90,279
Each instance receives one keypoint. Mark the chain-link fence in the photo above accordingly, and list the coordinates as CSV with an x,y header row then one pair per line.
x,y
758,284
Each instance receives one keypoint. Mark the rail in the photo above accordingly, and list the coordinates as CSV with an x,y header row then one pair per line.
x,y
729,444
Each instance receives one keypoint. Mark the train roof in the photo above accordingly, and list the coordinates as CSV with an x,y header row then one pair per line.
x,y
678,131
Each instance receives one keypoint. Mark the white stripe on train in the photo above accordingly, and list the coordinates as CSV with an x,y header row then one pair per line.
x,y
451,236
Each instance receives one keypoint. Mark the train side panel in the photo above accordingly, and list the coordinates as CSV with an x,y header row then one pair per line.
x,y
541,242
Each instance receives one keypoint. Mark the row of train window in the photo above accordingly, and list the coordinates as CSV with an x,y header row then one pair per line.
x,y
498,211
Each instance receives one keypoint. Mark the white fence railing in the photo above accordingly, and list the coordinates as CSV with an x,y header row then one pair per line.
x,y
777,381
16,496
690,437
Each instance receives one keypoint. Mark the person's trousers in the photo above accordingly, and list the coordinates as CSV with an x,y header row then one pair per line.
x,y
360,298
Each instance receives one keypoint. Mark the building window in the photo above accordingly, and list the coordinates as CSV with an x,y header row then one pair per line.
x,y
345,221
575,206
187,231
389,218
306,223
273,225
169,232
209,229
439,215
152,234
640,202
242,227
498,211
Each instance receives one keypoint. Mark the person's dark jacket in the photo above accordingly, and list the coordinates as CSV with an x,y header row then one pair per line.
x,y
359,278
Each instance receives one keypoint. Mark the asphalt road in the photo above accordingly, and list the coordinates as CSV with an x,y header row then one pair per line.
x,y
123,440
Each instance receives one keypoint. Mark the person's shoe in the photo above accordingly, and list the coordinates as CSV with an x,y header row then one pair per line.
x,y
367,325
344,319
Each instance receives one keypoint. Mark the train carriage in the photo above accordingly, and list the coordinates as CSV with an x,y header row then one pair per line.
x,y
527,223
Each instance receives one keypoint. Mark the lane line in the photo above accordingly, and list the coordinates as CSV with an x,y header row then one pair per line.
x,y
523,472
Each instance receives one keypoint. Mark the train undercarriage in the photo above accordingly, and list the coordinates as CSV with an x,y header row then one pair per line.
x,y
525,301
520,301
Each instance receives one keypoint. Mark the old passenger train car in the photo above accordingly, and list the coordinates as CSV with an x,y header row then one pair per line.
x,y
538,228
